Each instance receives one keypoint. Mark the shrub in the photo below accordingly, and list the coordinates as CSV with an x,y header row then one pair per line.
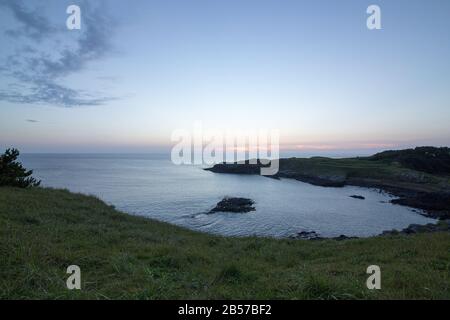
x,y
13,174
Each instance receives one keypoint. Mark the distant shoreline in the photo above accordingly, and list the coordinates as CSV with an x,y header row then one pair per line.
x,y
400,173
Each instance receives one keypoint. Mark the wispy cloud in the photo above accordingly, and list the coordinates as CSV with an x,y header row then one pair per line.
x,y
54,94
32,24
37,73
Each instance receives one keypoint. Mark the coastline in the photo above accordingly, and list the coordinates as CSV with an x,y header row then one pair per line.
x,y
418,190
128,257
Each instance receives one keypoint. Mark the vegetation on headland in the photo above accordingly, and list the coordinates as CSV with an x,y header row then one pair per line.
x,y
43,231
420,177
427,159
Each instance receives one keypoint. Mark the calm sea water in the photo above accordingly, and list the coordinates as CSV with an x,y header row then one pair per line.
x,y
151,186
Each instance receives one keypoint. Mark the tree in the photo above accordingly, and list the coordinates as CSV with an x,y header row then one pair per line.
x,y
13,174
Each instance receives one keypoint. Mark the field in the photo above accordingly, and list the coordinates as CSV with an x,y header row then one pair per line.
x,y
43,231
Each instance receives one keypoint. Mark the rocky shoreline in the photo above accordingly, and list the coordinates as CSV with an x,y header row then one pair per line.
x,y
245,205
312,235
441,226
418,178
435,204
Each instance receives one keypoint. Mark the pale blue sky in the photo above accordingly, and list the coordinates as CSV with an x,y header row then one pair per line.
x,y
140,69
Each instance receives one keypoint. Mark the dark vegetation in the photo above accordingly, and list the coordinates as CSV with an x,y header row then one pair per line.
x,y
427,159
13,174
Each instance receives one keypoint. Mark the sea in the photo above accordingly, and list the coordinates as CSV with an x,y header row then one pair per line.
x,y
150,185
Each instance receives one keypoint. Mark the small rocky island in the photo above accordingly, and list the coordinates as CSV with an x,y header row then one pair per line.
x,y
237,205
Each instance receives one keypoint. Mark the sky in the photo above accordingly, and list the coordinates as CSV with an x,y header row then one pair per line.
x,y
137,71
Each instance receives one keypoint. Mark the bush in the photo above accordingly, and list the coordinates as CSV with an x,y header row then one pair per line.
x,y
13,174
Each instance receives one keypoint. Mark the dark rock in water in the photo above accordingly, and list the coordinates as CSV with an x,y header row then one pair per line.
x,y
306,235
237,205
357,197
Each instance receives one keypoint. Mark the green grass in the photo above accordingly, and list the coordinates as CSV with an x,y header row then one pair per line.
x,y
42,231
360,171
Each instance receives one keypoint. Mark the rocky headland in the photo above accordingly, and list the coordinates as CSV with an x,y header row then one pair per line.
x,y
418,178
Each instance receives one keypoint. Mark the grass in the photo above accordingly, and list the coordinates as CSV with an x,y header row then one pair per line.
x,y
43,231
361,171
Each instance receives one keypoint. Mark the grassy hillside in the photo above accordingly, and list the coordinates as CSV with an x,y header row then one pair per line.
x,y
43,231
365,171
426,159
424,169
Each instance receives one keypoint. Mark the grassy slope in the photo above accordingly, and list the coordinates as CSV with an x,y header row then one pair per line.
x,y
43,231
373,172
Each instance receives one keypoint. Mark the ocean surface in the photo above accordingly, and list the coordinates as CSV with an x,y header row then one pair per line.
x,y
151,186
